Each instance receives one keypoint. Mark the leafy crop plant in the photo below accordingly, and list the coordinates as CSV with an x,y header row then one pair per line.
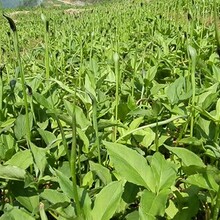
x,y
111,112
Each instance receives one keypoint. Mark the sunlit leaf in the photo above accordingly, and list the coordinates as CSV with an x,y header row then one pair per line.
x,y
111,195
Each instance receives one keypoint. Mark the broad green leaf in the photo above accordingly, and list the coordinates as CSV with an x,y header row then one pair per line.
x,y
130,165
151,73
216,72
206,99
187,157
88,179
217,116
145,137
106,202
20,125
190,208
136,123
67,188
130,192
81,119
11,172
206,114
204,181
132,216
89,86
175,90
42,101
171,210
27,197
102,172
53,196
7,123
152,204
13,213
22,159
47,136
191,141
164,172
192,52
85,140
65,184
40,159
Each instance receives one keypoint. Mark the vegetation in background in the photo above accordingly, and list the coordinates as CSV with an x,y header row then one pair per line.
x,y
111,113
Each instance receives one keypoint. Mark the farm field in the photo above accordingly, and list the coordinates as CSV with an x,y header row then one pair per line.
x,y
111,111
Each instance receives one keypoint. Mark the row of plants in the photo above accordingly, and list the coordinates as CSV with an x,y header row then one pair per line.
x,y
111,113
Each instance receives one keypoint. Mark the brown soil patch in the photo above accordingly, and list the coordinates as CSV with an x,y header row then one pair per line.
x,y
73,11
14,14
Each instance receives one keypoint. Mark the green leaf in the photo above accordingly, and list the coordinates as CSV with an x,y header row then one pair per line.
x,y
8,123
145,137
20,125
42,101
204,181
81,119
136,123
11,172
53,196
130,164
187,157
132,216
190,208
40,158
27,197
191,141
89,86
67,188
192,52
12,213
175,90
206,99
65,184
216,72
22,159
102,172
85,140
217,116
130,192
47,136
107,201
164,172
151,73
153,205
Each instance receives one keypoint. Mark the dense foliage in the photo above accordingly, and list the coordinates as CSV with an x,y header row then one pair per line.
x,y
112,112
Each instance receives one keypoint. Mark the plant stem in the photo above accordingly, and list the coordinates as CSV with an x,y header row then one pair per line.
x,y
63,138
217,206
193,55
1,94
150,126
95,124
21,71
216,26
117,76
46,42
73,159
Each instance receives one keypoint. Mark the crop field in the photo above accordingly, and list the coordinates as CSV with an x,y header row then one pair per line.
x,y
111,111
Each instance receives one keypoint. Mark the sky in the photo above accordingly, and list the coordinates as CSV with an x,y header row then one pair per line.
x,y
10,3
13,3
